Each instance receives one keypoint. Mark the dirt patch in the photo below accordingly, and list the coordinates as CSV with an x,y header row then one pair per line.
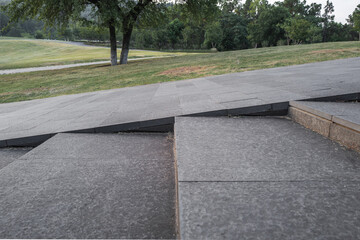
x,y
174,72
327,51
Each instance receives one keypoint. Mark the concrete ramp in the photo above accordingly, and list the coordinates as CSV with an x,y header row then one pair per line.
x,y
91,186
264,178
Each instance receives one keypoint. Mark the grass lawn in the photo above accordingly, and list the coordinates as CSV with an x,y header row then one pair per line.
x,y
22,53
26,86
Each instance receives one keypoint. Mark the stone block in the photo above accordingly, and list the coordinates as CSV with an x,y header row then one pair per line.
x,y
345,136
311,121
351,122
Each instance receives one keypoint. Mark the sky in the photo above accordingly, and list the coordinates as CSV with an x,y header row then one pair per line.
x,y
343,8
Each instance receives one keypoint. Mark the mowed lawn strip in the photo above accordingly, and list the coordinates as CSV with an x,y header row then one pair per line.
x,y
26,86
23,53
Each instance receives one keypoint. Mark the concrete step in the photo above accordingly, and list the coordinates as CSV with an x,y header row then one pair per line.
x,y
335,120
91,186
264,178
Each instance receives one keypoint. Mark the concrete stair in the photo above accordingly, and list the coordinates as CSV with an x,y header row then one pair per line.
x,y
244,177
264,178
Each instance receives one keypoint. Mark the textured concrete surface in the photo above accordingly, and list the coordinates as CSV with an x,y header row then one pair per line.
x,y
345,136
258,149
91,186
219,95
314,122
8,155
264,178
270,210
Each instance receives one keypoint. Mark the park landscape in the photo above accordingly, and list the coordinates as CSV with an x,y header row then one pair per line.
x,y
216,120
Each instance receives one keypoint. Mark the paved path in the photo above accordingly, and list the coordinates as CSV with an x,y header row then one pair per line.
x,y
149,105
36,69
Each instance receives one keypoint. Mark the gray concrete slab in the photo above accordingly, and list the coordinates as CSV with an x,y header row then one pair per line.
x,y
202,96
91,186
258,149
8,155
270,210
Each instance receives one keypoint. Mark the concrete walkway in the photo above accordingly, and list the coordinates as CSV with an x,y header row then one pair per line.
x,y
47,68
28,122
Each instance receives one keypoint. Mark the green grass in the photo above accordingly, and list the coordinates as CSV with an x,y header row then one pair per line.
x,y
22,53
26,86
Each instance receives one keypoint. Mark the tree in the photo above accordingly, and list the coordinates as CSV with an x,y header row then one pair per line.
x,y
354,19
234,32
213,35
174,31
327,18
61,12
4,20
270,22
106,13
295,7
297,29
313,13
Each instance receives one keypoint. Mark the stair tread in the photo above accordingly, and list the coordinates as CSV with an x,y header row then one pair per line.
x,y
91,186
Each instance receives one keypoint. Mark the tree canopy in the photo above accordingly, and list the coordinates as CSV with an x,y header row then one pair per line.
x,y
123,14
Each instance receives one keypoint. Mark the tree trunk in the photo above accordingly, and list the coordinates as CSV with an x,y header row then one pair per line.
x,y
359,36
113,51
128,25
126,44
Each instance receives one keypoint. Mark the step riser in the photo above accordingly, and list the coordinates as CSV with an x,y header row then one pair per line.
x,y
344,135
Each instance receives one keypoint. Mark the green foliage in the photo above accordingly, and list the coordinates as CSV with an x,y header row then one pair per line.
x,y
297,29
226,24
327,17
295,7
270,22
213,35
356,18
174,30
39,35
192,37
314,34
160,38
234,32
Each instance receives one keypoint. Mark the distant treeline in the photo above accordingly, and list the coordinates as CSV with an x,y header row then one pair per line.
x,y
236,25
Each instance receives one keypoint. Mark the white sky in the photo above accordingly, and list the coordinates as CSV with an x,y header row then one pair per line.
x,y
343,8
